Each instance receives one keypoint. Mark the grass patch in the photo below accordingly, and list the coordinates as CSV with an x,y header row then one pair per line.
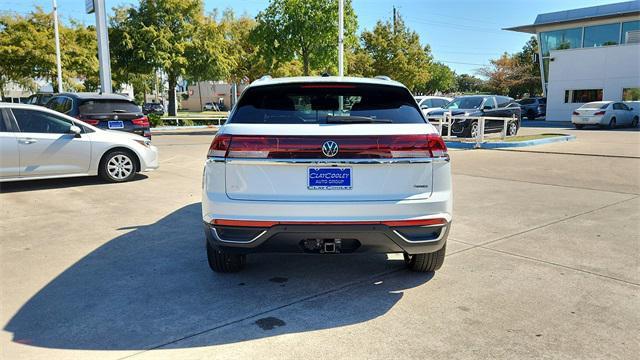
x,y
523,137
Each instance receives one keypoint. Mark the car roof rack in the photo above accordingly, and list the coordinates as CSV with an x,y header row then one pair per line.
x,y
383,77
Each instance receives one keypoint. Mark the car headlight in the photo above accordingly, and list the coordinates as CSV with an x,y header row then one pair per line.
x,y
146,143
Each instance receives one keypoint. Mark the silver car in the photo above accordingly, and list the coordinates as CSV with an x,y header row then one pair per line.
x,y
604,113
39,143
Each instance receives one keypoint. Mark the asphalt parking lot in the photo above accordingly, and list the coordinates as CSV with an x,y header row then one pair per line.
x,y
543,261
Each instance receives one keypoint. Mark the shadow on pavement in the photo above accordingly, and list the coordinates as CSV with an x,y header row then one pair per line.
x,y
45,184
152,286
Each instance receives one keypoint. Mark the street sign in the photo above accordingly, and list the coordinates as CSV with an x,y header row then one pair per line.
x,y
88,5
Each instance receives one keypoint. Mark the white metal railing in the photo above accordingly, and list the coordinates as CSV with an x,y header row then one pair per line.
x,y
447,119
218,120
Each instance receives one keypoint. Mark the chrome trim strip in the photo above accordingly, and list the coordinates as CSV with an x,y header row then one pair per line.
x,y
442,232
245,161
215,233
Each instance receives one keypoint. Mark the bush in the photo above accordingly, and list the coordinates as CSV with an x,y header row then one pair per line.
x,y
155,120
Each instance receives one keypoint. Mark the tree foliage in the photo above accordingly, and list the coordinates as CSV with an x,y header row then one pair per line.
x,y
466,83
27,50
303,30
393,50
514,74
171,35
442,79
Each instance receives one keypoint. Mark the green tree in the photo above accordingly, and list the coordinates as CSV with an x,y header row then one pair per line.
x,y
171,35
442,79
303,30
395,51
27,50
466,83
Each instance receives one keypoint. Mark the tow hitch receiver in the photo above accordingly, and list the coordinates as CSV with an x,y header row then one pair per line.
x,y
323,246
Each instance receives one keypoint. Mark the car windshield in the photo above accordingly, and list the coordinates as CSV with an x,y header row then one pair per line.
x,y
472,102
97,106
321,103
595,105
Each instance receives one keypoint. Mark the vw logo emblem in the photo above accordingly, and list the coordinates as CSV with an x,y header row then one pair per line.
x,y
330,148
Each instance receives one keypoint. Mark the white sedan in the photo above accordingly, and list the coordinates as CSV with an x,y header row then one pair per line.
x,y
39,143
428,103
604,113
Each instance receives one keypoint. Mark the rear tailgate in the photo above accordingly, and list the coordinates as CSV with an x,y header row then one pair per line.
x,y
297,169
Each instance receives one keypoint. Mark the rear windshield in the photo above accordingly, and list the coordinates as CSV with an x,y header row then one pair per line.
x,y
97,106
595,105
472,102
321,103
526,101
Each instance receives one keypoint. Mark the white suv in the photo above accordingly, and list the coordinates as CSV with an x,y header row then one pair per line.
x,y
327,165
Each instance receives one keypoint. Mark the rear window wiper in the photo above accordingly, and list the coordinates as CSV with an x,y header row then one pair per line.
x,y
331,119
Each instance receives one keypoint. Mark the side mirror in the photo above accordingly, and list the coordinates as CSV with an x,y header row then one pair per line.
x,y
75,130
424,107
487,107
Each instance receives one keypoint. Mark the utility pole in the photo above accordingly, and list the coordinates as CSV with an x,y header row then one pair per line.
x,y
394,19
57,37
340,37
103,44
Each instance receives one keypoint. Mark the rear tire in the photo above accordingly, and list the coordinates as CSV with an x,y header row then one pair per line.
x,y
531,115
578,126
612,123
634,122
118,166
512,128
425,262
222,262
472,130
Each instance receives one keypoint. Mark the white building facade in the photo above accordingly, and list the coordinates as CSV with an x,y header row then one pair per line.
x,y
588,54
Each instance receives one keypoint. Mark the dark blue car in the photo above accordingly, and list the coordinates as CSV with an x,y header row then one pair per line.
x,y
477,106
106,111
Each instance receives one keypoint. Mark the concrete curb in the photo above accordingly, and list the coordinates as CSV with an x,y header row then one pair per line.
x,y
508,144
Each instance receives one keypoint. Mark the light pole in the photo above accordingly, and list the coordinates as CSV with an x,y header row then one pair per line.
x,y
103,43
57,37
340,37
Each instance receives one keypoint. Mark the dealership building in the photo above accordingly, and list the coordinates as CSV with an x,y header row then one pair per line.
x,y
588,54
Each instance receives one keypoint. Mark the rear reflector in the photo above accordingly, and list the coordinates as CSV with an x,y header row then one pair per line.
x,y
91,121
266,224
310,147
143,121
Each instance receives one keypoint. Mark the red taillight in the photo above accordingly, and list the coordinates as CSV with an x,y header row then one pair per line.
x,y
91,121
142,121
219,145
599,113
310,147
576,113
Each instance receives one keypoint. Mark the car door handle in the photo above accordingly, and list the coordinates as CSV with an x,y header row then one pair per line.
x,y
27,141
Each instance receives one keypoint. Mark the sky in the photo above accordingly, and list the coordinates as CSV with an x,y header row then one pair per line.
x,y
463,34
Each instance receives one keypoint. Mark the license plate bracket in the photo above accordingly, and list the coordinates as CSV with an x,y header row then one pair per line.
x,y
329,178
115,125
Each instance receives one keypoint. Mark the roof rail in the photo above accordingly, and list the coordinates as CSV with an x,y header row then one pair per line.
x,y
383,77
265,77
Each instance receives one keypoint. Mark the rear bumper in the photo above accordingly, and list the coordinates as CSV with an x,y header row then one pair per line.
x,y
309,238
589,120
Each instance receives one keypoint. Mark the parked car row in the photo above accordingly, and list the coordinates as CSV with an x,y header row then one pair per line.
x,y
533,107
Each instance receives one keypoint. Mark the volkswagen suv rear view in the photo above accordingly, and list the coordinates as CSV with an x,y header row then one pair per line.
x,y
327,165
